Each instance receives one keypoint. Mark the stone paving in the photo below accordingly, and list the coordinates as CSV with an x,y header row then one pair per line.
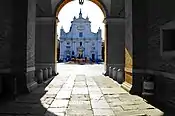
x,y
79,95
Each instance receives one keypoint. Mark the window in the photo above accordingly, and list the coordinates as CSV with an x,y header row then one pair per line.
x,y
80,34
168,37
167,41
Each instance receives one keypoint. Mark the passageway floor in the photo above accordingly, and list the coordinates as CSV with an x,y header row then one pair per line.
x,y
79,90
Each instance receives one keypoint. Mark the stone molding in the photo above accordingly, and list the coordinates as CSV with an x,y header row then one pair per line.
x,y
6,70
113,20
29,69
153,72
45,20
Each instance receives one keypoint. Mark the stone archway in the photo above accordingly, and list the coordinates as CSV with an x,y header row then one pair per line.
x,y
114,42
60,4
46,32
34,33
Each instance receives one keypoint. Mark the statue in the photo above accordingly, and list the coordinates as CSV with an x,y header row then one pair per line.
x,y
81,2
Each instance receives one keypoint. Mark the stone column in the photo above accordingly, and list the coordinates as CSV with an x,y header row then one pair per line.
x,y
99,49
45,43
86,48
136,43
23,45
114,43
61,49
74,47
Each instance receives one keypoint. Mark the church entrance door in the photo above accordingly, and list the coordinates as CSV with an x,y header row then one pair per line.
x,y
93,57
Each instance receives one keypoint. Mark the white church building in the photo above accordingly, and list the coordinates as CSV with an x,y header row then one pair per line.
x,y
80,42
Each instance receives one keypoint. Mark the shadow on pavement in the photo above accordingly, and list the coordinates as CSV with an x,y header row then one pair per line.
x,y
32,104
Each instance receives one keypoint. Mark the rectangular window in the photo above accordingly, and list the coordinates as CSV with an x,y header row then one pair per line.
x,y
167,43
80,34
168,37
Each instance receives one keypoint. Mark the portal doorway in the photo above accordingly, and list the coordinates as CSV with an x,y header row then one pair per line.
x,y
93,57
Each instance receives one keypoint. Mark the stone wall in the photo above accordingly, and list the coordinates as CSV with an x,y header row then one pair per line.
x,y
160,12
44,8
143,44
6,33
159,15
117,8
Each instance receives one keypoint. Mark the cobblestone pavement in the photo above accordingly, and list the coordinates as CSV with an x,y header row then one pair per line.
x,y
79,90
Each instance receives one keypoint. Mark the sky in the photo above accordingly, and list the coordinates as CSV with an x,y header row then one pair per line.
x,y
89,9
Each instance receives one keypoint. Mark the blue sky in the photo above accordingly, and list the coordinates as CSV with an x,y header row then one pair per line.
x,y
89,9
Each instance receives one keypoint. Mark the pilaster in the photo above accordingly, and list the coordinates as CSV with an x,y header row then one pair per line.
x,y
23,46
45,43
114,43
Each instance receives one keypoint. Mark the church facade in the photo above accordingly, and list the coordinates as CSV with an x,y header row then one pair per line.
x,y
80,42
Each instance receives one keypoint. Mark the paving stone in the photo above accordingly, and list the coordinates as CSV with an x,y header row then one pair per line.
x,y
79,105
79,112
94,89
52,91
150,112
80,91
47,96
47,100
63,95
95,92
103,112
57,110
116,102
66,89
80,86
59,104
131,113
117,109
111,96
127,97
97,97
45,105
80,97
137,107
54,114
115,90
99,104
153,112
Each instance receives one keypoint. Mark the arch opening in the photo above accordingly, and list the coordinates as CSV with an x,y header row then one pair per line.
x,y
61,5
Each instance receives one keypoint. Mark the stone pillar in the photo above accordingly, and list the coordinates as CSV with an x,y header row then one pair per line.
x,y
6,38
61,50
45,43
114,43
23,45
99,49
86,49
136,43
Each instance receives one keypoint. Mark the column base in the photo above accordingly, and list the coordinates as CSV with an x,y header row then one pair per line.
x,y
32,86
